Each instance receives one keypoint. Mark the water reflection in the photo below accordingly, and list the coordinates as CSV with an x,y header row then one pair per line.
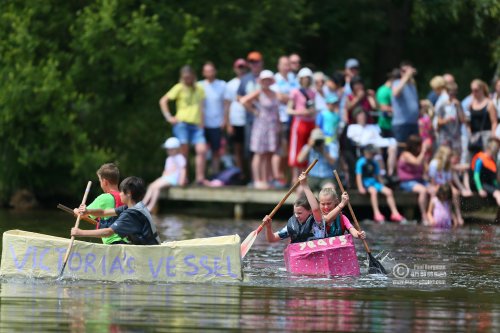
x,y
270,299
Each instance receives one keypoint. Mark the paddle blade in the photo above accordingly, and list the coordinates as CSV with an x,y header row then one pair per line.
x,y
374,266
248,242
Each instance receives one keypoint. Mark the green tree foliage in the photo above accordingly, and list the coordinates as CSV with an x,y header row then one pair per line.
x,y
81,80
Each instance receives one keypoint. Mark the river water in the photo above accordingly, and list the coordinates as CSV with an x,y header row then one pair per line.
x,y
457,288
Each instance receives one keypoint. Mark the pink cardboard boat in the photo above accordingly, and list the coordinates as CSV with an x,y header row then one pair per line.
x,y
328,256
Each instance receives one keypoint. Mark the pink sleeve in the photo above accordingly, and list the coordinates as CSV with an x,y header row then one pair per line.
x,y
346,222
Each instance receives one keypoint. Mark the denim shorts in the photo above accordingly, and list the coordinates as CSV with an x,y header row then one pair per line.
x,y
408,185
189,133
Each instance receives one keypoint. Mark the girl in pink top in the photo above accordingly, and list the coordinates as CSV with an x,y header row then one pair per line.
x,y
440,213
411,165
301,107
334,222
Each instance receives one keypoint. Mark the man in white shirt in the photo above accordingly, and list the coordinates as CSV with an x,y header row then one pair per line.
x,y
214,112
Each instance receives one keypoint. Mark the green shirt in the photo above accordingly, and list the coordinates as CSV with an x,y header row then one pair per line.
x,y
383,97
106,201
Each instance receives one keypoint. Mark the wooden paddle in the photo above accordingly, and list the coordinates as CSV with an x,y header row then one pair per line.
x,y
70,211
374,266
248,242
77,223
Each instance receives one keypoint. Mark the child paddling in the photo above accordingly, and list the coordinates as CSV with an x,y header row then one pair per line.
x,y
306,214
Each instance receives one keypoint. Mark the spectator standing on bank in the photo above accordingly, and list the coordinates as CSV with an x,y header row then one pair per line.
x,y
295,62
188,122
214,113
301,107
450,117
383,99
265,136
235,114
248,85
351,69
405,104
284,84
483,116
360,98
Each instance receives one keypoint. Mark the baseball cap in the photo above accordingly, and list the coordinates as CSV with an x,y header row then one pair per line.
x,y
331,99
305,72
254,56
266,74
172,143
370,149
240,62
351,63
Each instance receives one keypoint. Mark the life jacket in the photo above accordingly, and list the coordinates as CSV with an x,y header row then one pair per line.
x,y
488,173
148,235
105,223
300,232
337,228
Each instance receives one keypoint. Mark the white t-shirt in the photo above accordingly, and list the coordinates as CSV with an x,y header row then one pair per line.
x,y
174,165
369,134
237,112
440,177
214,102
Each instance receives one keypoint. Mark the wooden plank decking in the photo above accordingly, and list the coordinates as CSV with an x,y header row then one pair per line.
x,y
242,195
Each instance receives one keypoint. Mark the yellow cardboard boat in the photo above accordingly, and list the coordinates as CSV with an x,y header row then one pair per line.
x,y
32,255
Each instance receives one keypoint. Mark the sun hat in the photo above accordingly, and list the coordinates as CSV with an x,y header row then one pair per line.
x,y
305,72
172,143
331,99
352,63
266,74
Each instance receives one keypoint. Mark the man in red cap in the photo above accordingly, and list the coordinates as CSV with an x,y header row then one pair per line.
x,y
248,85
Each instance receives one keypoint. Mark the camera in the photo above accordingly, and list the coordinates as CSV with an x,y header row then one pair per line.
x,y
318,143
309,104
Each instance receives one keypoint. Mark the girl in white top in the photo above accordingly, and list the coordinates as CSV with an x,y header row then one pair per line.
x,y
174,173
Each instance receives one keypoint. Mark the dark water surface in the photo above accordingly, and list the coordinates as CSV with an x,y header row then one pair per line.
x,y
453,285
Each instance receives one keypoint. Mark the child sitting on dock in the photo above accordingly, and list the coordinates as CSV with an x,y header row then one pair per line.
x,y
306,214
484,169
440,213
174,172
109,177
134,220
369,181
334,223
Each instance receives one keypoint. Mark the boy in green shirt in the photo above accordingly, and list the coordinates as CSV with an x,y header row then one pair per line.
x,y
109,178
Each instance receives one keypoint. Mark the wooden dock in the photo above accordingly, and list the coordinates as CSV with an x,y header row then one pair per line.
x,y
241,197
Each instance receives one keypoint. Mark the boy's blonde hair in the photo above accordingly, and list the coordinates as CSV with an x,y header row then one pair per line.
x,y
110,172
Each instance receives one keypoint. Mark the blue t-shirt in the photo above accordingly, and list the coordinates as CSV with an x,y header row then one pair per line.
x,y
328,122
368,169
214,102
405,107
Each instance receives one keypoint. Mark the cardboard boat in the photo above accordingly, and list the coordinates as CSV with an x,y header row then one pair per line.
x,y
334,256
33,255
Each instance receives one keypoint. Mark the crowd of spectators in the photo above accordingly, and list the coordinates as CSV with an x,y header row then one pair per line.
x,y
271,125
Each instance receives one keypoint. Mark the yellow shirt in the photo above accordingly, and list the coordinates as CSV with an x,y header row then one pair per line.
x,y
188,102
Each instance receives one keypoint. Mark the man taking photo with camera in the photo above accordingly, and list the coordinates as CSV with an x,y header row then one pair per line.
x,y
405,105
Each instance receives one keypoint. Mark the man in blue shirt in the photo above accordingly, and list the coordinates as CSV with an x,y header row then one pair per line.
x,y
405,104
